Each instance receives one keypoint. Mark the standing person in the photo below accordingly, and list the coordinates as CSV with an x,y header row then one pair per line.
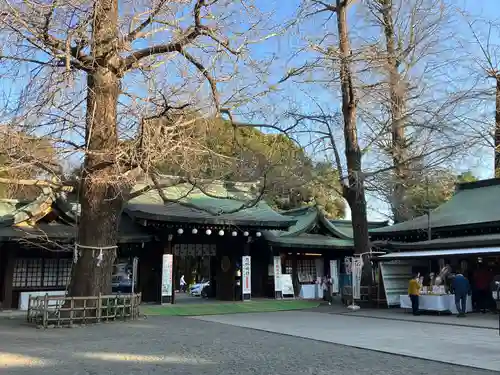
x,y
461,287
481,287
183,284
414,293
327,289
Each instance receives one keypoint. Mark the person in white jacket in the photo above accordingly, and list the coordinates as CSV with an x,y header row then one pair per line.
x,y
183,284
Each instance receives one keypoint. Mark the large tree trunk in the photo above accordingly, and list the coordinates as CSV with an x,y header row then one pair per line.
x,y
101,195
497,128
397,90
354,191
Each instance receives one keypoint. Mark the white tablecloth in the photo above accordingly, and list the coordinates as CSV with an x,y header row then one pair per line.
x,y
311,291
435,303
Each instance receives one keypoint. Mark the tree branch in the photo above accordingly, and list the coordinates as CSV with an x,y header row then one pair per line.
x,y
189,36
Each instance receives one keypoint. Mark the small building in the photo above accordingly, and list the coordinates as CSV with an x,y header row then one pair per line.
x,y
311,247
463,233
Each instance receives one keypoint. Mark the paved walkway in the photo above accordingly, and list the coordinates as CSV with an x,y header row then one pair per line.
x,y
476,320
467,346
181,346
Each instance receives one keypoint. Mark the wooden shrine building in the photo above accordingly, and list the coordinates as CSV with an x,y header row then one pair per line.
x,y
37,246
308,247
215,224
218,224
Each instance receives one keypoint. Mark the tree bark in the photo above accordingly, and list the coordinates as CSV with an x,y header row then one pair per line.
x,y
353,191
397,91
497,128
101,195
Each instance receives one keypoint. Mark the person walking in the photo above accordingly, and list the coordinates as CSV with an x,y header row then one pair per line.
x,y
327,289
183,284
414,293
461,287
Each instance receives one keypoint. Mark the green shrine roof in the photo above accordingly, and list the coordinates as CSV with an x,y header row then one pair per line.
x,y
482,240
213,203
474,204
339,233
14,212
129,232
306,240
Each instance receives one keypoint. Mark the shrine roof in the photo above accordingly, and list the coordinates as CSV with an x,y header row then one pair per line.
x,y
475,204
336,234
215,203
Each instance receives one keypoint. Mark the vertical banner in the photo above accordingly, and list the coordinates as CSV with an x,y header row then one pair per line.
x,y
277,277
246,275
166,278
135,263
334,274
357,266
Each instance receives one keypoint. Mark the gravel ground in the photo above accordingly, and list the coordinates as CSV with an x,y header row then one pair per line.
x,y
161,345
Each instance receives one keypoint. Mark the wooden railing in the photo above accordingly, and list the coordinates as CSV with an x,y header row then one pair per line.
x,y
57,311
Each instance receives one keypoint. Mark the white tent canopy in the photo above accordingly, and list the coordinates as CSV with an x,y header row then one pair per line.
x,y
440,253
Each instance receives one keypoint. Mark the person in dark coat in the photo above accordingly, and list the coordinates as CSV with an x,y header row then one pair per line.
x,y
461,287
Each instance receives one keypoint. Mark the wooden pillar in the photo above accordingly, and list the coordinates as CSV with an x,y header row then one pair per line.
x,y
8,277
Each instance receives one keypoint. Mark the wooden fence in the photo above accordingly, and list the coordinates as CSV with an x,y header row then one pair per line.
x,y
57,311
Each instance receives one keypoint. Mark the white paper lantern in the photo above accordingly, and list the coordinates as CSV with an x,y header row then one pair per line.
x,y
221,232
194,231
208,232
180,231
245,234
234,234
258,234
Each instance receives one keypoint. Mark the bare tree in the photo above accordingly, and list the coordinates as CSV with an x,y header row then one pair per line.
x,y
410,97
101,78
485,54
341,58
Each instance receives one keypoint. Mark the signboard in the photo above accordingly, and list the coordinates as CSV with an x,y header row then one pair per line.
x,y
357,267
246,269
287,286
334,274
277,273
166,275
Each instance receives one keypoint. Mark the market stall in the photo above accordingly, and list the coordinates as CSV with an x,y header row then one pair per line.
x,y
437,303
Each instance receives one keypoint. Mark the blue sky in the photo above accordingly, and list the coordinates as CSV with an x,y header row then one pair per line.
x,y
279,12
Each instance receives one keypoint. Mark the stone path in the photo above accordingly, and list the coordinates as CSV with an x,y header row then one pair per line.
x,y
467,346
183,346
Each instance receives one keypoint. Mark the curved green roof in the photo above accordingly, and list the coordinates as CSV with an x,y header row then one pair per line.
x,y
216,203
474,203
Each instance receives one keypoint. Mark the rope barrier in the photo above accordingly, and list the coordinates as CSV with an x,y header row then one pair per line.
x,y
93,248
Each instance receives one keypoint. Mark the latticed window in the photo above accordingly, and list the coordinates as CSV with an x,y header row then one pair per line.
x,y
306,269
37,273
64,272
50,268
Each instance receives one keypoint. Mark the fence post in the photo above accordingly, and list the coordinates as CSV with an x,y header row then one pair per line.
x,y
29,309
45,319
139,301
71,309
99,308
116,307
